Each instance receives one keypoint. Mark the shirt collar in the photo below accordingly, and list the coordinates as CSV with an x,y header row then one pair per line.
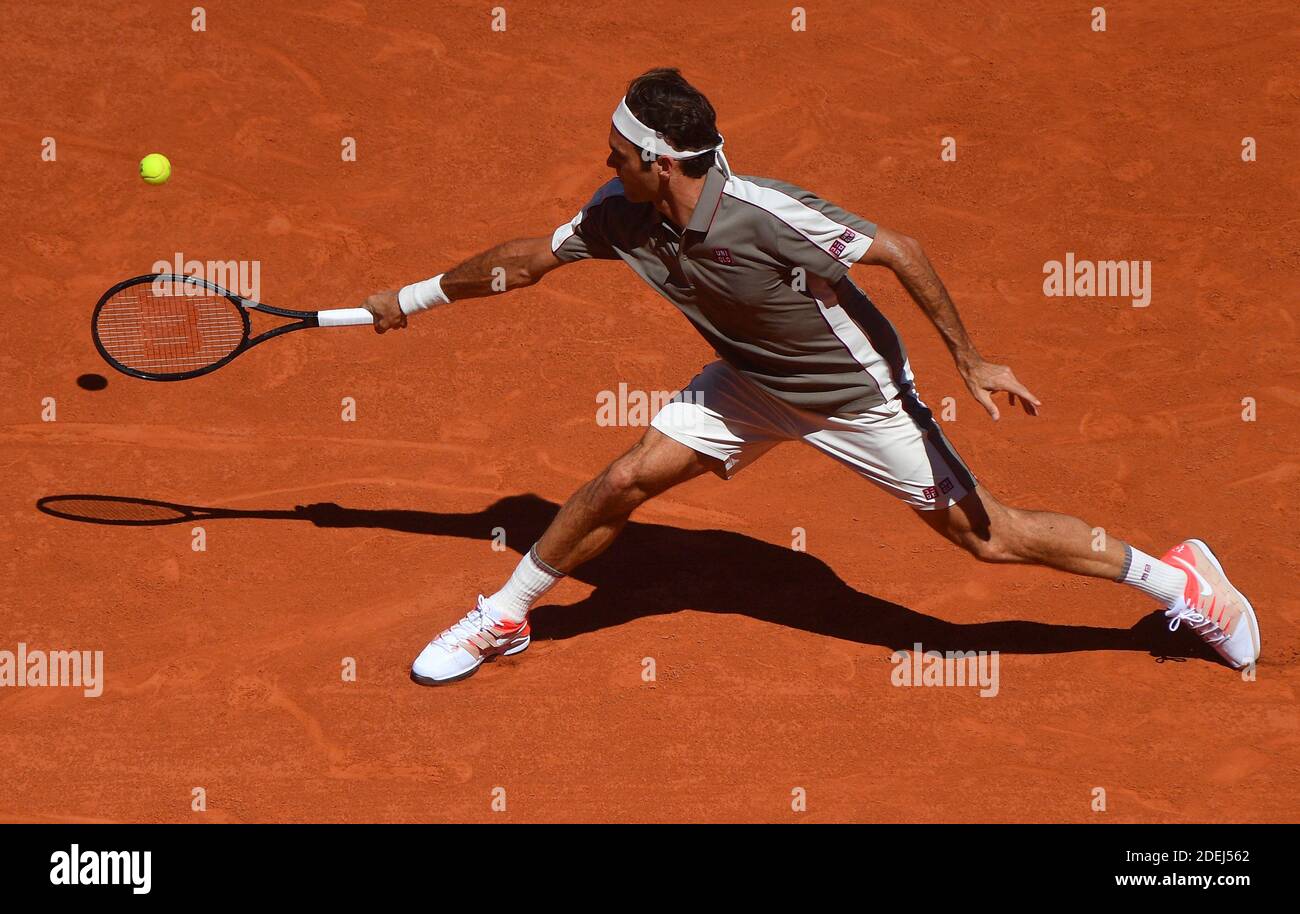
x,y
706,208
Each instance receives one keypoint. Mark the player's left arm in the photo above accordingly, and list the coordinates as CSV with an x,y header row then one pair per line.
x,y
906,258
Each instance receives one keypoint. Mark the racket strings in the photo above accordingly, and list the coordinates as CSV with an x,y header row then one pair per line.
x,y
167,329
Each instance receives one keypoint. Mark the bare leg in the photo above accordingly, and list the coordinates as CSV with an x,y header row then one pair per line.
x,y
594,515
992,532
583,528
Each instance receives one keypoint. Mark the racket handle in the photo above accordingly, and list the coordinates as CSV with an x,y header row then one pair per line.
x,y
344,317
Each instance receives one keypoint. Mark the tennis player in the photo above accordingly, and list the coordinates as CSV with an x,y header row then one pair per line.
x,y
760,268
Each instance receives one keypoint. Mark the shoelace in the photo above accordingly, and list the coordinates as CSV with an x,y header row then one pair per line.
x,y
1181,611
474,622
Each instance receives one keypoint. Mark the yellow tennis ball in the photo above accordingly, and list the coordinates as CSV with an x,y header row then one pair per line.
x,y
155,169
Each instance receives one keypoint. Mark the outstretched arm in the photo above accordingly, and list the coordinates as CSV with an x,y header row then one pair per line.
x,y
906,258
511,265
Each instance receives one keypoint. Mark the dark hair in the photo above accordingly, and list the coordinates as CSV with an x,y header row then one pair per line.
x,y
662,98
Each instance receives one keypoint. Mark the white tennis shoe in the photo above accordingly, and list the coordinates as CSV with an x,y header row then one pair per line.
x,y
1211,607
463,648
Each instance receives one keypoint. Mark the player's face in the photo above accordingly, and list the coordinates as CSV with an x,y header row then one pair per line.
x,y
640,184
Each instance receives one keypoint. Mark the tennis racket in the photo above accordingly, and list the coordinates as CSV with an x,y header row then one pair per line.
x,y
163,327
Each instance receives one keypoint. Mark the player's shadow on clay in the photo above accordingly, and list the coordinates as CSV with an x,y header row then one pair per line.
x,y
653,569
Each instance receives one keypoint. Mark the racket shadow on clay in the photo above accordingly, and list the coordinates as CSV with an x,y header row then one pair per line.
x,y
127,511
720,571
122,511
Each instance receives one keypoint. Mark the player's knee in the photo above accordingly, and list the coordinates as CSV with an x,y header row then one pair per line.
x,y
995,534
621,484
996,544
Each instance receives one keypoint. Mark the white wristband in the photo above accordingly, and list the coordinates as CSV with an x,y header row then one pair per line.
x,y
421,296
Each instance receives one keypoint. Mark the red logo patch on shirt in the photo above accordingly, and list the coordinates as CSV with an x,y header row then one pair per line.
x,y
848,235
837,248
928,493
722,255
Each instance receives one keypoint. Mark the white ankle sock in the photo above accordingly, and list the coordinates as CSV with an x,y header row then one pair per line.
x,y
1152,576
531,579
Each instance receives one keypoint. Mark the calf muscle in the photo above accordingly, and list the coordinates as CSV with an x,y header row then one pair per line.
x,y
594,515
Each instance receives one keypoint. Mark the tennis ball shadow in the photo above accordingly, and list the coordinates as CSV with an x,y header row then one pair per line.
x,y
92,382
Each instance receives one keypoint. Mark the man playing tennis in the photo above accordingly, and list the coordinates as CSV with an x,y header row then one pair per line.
x,y
760,269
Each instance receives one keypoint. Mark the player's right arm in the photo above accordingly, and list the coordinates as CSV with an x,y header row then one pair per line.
x,y
511,265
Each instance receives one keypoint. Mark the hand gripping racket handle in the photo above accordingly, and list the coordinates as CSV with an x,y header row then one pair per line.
x,y
344,317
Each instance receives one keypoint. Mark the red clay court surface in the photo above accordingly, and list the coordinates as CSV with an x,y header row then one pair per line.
x,y
223,667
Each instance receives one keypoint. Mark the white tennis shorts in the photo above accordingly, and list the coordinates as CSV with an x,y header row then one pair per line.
x,y
897,445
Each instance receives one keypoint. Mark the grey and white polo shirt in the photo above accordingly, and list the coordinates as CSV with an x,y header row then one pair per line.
x,y
761,272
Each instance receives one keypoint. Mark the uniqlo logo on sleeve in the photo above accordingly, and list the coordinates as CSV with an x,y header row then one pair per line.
x,y
837,248
946,486
928,493
848,236
722,255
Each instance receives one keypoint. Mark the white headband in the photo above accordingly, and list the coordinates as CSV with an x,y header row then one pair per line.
x,y
637,133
